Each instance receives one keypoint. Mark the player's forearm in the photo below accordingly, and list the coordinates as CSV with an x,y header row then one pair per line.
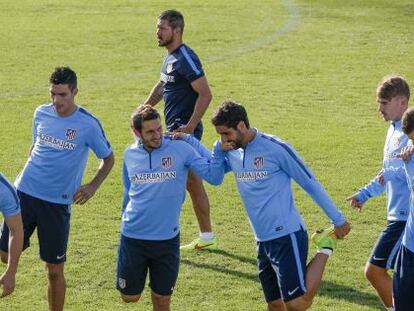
x,y
155,95
103,171
202,103
15,242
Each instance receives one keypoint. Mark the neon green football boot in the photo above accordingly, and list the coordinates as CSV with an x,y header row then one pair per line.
x,y
325,238
200,245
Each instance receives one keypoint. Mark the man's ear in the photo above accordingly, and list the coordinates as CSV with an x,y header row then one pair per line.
x,y
241,126
136,132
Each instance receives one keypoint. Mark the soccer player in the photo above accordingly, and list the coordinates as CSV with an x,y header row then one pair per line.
x,y
50,182
10,208
403,282
155,171
187,95
264,166
393,94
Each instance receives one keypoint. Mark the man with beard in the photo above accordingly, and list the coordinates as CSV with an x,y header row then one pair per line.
x,y
264,166
186,93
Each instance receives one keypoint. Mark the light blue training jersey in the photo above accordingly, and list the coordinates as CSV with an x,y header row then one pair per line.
x,y
396,187
154,186
408,236
263,171
56,164
9,202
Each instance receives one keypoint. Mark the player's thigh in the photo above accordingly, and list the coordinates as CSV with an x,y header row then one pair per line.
x,y
288,256
53,231
132,267
267,276
164,266
385,250
403,282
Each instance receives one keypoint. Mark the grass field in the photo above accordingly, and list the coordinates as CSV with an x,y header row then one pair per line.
x,y
306,71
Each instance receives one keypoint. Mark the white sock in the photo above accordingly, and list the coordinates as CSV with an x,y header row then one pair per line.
x,y
206,236
326,251
391,309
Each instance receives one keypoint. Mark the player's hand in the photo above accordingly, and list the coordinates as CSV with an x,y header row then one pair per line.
x,y
83,194
227,146
406,153
8,282
380,178
177,135
185,128
354,202
342,230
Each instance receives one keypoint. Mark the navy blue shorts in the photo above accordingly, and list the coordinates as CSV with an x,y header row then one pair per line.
x,y
281,263
52,221
137,257
386,248
403,282
198,131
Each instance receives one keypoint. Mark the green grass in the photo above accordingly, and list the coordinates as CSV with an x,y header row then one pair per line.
x,y
306,71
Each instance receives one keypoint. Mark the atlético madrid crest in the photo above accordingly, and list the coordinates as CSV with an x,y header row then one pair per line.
x,y
166,162
258,162
70,134
169,67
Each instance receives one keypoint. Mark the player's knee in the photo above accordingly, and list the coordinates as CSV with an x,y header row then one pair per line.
x,y
130,298
4,257
276,305
301,303
161,302
373,272
54,272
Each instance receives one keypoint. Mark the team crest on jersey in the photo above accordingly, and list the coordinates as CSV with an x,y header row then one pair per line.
x,y
122,283
169,67
70,134
166,162
258,162
396,143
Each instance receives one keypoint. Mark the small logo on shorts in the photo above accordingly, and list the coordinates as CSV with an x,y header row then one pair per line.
x,y
378,258
60,257
291,292
122,283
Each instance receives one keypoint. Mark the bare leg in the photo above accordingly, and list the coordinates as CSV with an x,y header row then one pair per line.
x,y
56,287
276,305
314,272
130,298
160,302
382,282
200,201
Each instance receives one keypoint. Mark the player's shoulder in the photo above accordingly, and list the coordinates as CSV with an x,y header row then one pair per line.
x,y
273,142
87,117
44,108
7,190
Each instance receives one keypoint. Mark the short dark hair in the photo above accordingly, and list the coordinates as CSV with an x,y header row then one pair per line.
x,y
392,86
141,114
64,75
408,121
175,19
230,113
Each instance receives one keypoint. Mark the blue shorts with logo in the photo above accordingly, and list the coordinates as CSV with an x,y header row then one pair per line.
x,y
403,282
281,263
137,257
52,221
386,248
